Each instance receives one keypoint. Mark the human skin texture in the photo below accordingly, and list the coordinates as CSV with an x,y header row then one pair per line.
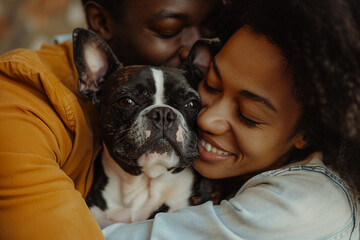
x,y
247,95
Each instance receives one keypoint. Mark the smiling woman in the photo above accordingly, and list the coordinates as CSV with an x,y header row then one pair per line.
x,y
271,126
247,95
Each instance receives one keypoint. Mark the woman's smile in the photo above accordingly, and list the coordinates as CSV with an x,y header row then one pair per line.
x,y
248,114
208,147
210,153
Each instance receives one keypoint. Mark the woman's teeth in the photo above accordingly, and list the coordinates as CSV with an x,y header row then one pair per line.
x,y
210,148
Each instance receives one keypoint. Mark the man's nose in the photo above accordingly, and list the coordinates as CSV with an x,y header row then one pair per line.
x,y
190,36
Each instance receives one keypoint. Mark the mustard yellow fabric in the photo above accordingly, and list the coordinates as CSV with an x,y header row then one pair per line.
x,y
49,139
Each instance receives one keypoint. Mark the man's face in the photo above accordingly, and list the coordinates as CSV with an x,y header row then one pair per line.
x,y
160,32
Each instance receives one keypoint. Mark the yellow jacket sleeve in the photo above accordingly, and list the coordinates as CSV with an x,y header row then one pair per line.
x,y
48,142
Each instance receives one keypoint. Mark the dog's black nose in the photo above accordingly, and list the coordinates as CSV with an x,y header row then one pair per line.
x,y
162,117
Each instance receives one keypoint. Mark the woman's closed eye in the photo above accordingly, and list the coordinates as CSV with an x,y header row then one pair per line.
x,y
212,89
246,121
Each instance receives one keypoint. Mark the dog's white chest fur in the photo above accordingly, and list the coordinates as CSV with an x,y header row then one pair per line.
x,y
134,198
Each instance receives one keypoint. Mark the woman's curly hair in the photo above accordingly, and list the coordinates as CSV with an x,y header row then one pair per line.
x,y
320,39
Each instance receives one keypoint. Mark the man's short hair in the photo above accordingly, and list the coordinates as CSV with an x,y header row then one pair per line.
x,y
114,7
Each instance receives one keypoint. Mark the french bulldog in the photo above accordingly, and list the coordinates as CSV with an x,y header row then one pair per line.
x,y
148,124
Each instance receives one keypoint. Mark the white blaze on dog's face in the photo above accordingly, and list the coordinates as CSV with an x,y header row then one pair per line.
x,y
144,111
147,114
149,123
156,163
159,85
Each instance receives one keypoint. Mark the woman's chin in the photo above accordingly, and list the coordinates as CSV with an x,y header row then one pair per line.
x,y
216,166
208,170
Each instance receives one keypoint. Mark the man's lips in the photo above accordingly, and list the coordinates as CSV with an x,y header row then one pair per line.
x,y
210,153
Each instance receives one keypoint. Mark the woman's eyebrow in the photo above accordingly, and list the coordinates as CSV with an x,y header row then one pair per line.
x,y
246,93
257,98
163,14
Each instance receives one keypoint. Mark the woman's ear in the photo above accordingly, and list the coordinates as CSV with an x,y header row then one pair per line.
x,y
99,20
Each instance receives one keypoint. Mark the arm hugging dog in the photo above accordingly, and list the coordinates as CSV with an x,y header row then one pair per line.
x,y
148,123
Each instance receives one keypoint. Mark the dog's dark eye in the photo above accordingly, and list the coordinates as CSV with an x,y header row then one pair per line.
x,y
126,102
193,104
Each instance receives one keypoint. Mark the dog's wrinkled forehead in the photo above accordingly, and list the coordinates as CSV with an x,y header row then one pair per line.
x,y
162,83
97,66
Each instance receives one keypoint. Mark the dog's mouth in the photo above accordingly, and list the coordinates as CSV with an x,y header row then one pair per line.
x,y
159,145
162,145
154,156
159,156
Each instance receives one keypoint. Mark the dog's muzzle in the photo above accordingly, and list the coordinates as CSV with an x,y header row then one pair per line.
x,y
162,118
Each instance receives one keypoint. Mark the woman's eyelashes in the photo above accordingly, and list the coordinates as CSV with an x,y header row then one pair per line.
x,y
210,88
246,121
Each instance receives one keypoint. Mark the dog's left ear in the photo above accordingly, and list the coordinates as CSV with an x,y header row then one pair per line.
x,y
197,64
94,61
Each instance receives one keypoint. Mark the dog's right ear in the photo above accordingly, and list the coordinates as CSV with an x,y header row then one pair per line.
x,y
94,61
197,64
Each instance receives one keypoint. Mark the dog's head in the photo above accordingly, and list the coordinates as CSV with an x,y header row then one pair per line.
x,y
147,114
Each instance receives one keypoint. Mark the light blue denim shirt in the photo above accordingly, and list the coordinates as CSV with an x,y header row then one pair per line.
x,y
305,200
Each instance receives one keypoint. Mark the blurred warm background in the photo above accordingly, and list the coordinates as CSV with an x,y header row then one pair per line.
x,y
30,23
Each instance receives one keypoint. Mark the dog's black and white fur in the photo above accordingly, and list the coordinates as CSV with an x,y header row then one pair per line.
x,y
148,122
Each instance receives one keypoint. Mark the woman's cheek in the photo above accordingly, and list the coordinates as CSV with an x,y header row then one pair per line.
x,y
252,141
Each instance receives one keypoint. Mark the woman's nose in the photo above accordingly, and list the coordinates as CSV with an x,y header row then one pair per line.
x,y
214,118
189,37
